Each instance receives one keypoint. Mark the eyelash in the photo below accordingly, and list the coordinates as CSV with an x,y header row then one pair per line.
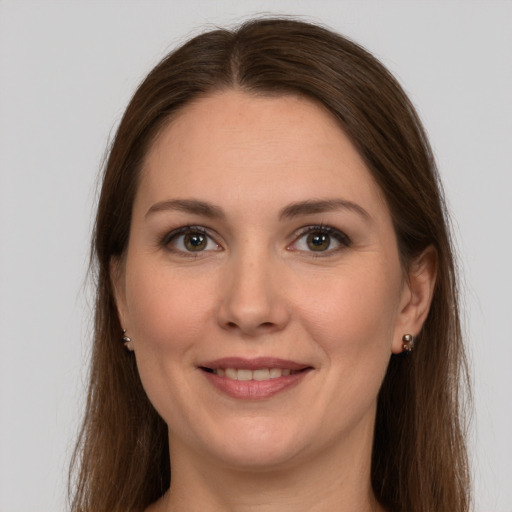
x,y
174,235
341,238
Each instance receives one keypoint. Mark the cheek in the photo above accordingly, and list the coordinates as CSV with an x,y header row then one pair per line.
x,y
168,315
352,315
352,323
165,310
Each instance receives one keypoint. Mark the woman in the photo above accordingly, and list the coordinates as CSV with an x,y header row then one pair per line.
x,y
276,319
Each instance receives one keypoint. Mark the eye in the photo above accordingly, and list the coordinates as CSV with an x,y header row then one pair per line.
x,y
190,239
320,239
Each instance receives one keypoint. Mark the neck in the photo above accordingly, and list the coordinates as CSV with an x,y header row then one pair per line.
x,y
336,479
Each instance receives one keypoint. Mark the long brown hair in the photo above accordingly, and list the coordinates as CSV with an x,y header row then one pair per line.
x,y
419,461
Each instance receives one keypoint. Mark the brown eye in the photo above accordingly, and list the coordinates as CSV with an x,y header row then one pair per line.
x,y
190,239
318,241
195,242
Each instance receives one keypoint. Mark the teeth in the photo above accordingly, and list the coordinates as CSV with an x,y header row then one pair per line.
x,y
244,375
231,373
262,374
275,372
259,374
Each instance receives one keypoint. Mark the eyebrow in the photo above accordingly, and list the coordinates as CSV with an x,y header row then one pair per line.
x,y
193,206
328,205
291,211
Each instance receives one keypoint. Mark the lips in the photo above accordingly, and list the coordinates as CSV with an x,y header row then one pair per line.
x,y
253,378
260,374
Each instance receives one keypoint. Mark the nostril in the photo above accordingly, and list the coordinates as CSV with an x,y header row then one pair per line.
x,y
263,326
249,328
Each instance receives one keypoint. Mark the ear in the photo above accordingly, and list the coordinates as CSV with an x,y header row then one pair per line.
x,y
117,280
417,293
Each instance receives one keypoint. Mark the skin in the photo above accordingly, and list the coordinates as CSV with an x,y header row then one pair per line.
x,y
258,289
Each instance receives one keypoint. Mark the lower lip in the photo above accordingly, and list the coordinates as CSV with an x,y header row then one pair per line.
x,y
255,389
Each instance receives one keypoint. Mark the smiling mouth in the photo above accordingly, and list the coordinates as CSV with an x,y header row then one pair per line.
x,y
254,379
260,374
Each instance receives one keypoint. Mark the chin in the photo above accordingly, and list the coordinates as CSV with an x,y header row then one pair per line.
x,y
260,446
259,459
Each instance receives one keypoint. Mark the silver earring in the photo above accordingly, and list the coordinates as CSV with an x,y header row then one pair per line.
x,y
408,342
127,341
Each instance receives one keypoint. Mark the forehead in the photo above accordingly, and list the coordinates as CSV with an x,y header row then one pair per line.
x,y
264,146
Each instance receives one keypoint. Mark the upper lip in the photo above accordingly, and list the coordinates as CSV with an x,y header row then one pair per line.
x,y
253,364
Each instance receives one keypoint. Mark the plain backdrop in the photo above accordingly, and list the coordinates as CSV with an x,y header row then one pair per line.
x,y
68,69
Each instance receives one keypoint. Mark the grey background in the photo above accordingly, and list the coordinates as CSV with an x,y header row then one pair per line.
x,y
67,70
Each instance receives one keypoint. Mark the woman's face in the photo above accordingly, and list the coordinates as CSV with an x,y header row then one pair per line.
x,y
261,286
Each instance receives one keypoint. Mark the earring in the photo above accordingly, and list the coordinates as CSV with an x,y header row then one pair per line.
x,y
127,341
408,342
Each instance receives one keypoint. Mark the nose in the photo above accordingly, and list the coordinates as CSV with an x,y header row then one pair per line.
x,y
253,299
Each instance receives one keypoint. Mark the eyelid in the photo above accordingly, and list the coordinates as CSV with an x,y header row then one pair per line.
x,y
169,237
342,238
